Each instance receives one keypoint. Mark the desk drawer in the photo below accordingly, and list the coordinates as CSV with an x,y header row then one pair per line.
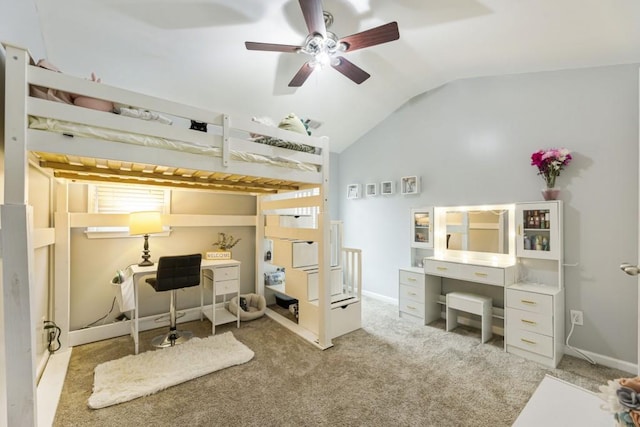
x,y
412,307
441,268
226,273
411,278
481,274
530,301
227,287
530,341
529,321
411,293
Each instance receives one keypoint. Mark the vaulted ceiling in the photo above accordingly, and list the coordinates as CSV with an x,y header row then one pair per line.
x,y
193,50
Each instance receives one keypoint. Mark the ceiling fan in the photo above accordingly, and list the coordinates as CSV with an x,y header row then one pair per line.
x,y
325,47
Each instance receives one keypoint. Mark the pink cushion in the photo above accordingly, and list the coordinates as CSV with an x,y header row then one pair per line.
x,y
93,103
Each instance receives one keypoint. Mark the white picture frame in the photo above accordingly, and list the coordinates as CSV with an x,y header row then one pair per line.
x,y
371,189
387,188
409,185
353,191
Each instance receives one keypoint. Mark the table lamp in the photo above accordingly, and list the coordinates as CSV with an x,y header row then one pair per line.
x,y
145,223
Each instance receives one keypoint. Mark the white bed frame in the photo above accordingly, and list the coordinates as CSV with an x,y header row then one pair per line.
x,y
19,238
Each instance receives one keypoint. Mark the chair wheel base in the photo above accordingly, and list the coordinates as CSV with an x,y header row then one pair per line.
x,y
171,338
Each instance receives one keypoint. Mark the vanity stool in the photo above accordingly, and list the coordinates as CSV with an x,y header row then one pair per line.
x,y
469,303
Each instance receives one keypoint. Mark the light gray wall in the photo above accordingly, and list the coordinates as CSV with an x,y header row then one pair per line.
x,y
95,261
471,140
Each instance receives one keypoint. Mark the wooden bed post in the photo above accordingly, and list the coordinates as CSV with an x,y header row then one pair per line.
x,y
17,265
324,252
259,289
62,264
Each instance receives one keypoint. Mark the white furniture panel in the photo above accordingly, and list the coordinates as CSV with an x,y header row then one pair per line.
x,y
529,301
482,274
419,296
441,268
422,228
533,322
559,403
539,230
529,341
312,283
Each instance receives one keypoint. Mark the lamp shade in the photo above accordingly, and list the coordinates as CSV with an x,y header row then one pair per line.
x,y
145,223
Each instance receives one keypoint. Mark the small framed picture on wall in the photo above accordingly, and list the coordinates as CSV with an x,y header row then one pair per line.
x,y
409,185
353,191
371,190
386,188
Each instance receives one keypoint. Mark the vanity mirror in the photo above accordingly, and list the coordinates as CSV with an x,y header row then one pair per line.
x,y
476,232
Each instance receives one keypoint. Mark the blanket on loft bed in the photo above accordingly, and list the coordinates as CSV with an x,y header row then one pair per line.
x,y
75,129
291,122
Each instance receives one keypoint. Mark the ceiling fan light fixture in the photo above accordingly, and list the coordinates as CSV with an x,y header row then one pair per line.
x,y
325,48
322,59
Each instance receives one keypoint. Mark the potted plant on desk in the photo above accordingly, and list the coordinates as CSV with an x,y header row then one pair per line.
x,y
224,244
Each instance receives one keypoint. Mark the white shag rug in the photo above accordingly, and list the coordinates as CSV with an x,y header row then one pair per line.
x,y
146,373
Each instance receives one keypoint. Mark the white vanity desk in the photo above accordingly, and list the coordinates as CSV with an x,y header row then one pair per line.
x,y
529,315
421,289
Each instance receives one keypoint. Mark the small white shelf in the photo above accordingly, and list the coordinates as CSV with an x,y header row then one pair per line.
x,y
222,315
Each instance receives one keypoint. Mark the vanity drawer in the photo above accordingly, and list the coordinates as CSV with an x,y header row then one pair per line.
x,y
412,307
482,274
225,273
441,268
530,341
412,279
530,301
412,293
529,321
227,286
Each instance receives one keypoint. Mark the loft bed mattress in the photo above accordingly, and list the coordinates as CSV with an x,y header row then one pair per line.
x,y
80,130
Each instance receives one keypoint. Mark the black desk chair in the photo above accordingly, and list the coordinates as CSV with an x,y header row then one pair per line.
x,y
175,272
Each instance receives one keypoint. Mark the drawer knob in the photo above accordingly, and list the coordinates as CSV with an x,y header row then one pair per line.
x,y
528,341
412,294
529,322
481,274
410,307
529,302
442,268
411,279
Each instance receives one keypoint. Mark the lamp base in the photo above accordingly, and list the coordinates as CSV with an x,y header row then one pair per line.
x,y
145,253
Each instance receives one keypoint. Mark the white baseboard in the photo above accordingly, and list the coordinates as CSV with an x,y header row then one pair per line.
x,y
379,297
607,361
50,387
118,329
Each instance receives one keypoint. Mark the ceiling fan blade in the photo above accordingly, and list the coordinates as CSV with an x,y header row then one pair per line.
x,y
355,73
313,16
301,76
378,35
272,47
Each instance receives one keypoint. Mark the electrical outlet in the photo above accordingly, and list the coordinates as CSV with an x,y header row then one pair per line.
x,y
576,317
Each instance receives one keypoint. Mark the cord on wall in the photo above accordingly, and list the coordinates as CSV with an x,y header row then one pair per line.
x,y
113,304
53,336
584,356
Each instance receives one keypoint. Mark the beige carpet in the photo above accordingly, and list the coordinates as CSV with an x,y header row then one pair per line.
x,y
391,372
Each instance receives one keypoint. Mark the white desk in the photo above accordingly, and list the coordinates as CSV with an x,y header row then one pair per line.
x,y
557,403
229,286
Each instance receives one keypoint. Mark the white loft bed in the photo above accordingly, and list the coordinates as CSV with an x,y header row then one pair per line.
x,y
216,160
